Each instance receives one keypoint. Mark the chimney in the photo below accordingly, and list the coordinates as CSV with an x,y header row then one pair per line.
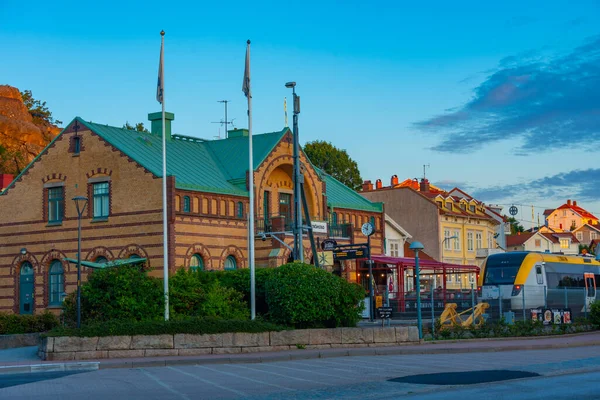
x,y
5,180
394,180
568,202
367,186
238,133
156,126
378,184
424,186
574,203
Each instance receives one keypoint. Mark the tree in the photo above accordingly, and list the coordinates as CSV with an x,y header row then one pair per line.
x,y
137,127
335,162
515,226
38,109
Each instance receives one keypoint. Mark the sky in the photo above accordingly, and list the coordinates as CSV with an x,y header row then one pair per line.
x,y
499,99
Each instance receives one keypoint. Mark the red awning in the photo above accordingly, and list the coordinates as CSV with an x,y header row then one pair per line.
x,y
423,264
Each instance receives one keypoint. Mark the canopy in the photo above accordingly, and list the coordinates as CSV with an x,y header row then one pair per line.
x,y
109,264
423,264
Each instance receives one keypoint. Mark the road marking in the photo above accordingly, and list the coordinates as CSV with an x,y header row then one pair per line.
x,y
281,375
209,382
161,383
326,366
314,372
245,377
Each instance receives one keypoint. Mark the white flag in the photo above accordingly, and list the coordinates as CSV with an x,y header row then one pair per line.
x,y
161,81
246,84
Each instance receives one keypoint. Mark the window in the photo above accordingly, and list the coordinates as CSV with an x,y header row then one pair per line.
x,y
446,239
564,243
579,236
593,235
240,209
394,248
470,241
472,208
55,204
457,240
478,240
372,221
76,144
101,200
101,260
490,241
186,203
230,263
334,219
57,283
197,263
449,205
463,206
538,243
134,256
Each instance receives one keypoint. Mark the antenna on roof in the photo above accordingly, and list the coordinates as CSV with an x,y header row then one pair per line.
x,y
226,122
425,165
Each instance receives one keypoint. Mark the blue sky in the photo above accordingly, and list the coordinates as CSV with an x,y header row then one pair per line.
x,y
502,100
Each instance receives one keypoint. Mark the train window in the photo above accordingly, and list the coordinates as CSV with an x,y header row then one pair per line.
x,y
591,290
538,275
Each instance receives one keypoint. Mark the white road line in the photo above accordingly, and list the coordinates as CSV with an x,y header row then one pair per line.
x,y
345,364
161,383
239,393
314,372
281,375
245,377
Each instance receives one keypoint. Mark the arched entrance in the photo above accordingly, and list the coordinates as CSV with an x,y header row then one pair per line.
x,y
26,288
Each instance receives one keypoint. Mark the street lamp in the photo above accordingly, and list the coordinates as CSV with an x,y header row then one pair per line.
x,y
416,247
80,203
298,251
442,245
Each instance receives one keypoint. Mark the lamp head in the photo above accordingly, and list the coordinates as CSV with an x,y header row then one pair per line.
x,y
290,85
416,246
23,251
80,203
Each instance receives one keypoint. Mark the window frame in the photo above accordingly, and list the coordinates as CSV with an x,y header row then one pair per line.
x,y
186,204
456,246
240,209
56,204
469,241
100,210
232,263
199,263
56,283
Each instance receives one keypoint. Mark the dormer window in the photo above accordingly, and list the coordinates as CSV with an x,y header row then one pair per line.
x,y
75,145
472,208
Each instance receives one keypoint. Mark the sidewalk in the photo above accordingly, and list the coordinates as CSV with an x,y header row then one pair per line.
x,y
438,347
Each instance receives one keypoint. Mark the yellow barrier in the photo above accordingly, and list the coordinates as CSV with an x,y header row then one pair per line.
x,y
451,318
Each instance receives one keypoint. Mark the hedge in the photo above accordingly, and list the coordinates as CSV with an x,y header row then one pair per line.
x,y
191,325
11,324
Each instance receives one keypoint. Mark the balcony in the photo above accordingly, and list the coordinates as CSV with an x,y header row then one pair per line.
x,y
340,231
285,223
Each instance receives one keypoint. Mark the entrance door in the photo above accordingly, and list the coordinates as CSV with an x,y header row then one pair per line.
x,y
590,289
26,289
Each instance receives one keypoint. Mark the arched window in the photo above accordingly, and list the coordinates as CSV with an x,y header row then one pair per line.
x,y
373,223
101,260
57,283
230,263
240,209
134,256
197,263
186,204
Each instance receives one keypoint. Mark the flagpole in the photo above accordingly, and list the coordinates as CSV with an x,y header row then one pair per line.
x,y
246,88
164,181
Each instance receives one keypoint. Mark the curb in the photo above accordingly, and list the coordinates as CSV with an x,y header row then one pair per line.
x,y
34,368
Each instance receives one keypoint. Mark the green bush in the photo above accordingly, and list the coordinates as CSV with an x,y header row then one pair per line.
x,y
303,296
595,313
123,293
190,325
224,302
11,324
186,294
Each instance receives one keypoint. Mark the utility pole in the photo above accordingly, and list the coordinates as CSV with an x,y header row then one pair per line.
x,y
298,180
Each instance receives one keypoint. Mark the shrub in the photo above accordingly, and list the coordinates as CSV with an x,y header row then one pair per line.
x,y
13,324
224,302
595,313
123,293
190,325
186,294
303,296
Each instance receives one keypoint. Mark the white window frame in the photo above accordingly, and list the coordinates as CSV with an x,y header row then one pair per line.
x,y
478,240
579,236
564,243
457,241
469,241
447,244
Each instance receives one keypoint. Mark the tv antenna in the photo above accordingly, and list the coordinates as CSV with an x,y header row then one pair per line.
x,y
425,166
225,122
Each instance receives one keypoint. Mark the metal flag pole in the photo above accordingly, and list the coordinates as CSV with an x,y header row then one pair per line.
x,y
246,88
160,96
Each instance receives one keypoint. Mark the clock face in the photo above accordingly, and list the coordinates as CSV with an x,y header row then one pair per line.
x,y
367,229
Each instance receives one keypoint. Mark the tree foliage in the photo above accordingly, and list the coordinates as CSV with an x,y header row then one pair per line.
x,y
137,127
38,109
515,226
335,162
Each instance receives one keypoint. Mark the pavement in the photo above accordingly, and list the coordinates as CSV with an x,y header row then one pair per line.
x,y
11,363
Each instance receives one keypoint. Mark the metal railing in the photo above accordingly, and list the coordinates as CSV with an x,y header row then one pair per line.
x,y
274,223
340,230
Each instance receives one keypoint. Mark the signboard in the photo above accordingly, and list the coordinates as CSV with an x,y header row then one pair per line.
x,y
350,252
319,226
384,312
325,258
552,316
328,244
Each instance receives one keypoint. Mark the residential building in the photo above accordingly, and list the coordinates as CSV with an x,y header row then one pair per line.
x,y
587,233
120,171
569,217
452,228
547,242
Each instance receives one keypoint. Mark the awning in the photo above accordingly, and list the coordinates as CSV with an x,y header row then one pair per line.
x,y
423,264
108,264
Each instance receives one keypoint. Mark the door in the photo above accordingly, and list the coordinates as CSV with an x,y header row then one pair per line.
x,y
26,289
285,205
590,289
266,211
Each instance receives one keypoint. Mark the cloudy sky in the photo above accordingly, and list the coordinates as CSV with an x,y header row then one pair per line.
x,y
502,100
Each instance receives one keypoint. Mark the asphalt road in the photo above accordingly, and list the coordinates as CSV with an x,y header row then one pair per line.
x,y
564,373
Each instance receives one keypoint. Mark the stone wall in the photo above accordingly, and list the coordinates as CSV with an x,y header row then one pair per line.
x,y
79,348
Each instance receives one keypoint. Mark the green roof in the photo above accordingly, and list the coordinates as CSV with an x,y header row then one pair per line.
x,y
108,264
341,196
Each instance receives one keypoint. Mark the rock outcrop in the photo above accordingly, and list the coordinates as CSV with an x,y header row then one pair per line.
x,y
22,136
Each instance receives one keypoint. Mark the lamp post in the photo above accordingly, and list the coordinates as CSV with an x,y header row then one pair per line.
x,y
416,247
80,203
298,179
442,245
